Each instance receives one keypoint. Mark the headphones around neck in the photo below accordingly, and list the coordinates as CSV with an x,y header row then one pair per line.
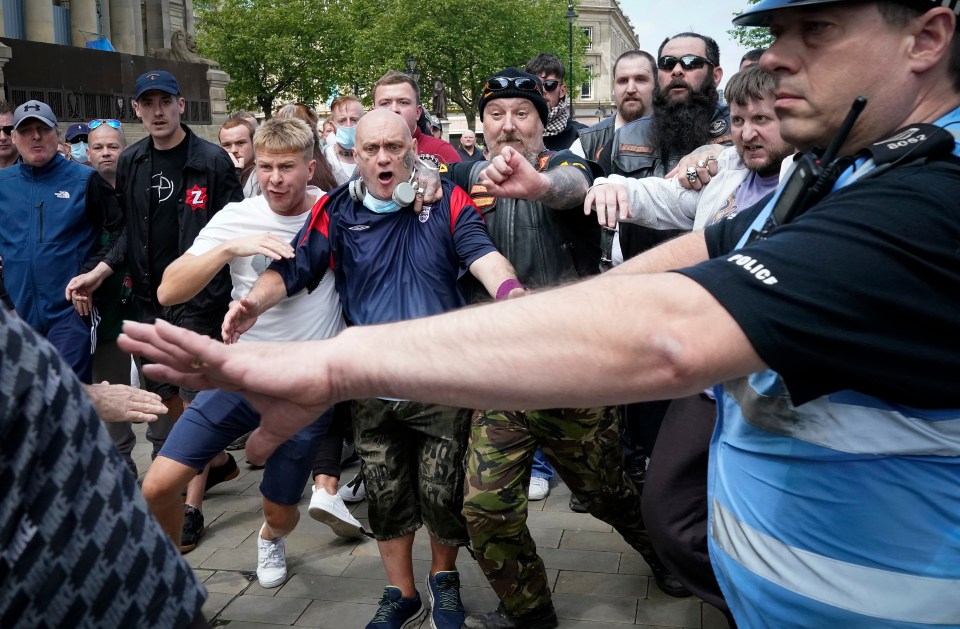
x,y
403,194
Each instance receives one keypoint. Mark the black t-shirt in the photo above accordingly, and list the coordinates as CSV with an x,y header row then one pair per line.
x,y
862,292
166,181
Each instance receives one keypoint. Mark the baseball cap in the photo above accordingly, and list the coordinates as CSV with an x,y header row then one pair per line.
x,y
759,13
76,130
34,109
513,83
156,80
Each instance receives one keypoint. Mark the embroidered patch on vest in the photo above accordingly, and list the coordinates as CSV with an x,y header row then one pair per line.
x,y
636,148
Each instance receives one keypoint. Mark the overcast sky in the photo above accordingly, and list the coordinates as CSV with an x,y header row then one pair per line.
x,y
655,20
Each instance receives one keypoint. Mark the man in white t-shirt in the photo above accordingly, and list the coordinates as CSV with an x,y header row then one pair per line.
x,y
345,113
247,236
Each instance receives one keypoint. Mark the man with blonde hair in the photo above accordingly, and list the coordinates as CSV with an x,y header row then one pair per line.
x,y
247,236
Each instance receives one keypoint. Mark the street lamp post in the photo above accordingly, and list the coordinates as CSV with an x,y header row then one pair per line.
x,y
412,70
571,16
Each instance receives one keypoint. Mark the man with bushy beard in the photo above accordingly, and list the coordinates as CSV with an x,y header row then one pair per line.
x,y
528,197
686,115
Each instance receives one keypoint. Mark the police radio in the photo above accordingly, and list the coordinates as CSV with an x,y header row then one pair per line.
x,y
813,177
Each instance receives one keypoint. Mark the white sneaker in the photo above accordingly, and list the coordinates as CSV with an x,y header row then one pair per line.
x,y
539,488
354,491
331,511
271,561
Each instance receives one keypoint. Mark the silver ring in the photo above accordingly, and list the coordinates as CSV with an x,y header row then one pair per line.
x,y
701,164
712,158
692,177
691,171
421,190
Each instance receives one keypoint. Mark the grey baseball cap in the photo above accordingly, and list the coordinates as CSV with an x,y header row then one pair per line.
x,y
34,109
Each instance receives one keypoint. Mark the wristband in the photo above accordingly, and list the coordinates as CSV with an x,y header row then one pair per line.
x,y
506,287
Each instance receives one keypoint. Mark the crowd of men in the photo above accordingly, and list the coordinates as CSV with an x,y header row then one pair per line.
x,y
732,343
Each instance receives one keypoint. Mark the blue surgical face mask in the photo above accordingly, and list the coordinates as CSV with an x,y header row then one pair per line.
x,y
346,136
379,206
79,152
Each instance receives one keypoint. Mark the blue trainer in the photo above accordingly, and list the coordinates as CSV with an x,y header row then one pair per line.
x,y
397,612
446,608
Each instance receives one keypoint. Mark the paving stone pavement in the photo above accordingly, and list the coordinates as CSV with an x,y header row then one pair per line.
x,y
599,582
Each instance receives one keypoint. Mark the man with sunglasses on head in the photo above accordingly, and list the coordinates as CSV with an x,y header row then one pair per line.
x,y
52,213
561,130
528,196
113,301
172,182
559,133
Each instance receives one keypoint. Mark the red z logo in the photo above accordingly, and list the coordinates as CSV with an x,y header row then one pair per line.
x,y
197,198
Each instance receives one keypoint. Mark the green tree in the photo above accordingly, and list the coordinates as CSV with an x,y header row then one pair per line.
x,y
751,36
274,50
461,42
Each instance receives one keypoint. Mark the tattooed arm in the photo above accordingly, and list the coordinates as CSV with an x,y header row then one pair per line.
x,y
511,176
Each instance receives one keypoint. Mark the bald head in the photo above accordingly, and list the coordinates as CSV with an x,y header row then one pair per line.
x,y
380,120
103,149
385,151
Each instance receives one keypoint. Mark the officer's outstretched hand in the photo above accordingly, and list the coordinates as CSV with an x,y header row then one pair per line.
x,y
511,176
287,399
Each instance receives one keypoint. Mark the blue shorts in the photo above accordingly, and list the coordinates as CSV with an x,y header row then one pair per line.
x,y
215,418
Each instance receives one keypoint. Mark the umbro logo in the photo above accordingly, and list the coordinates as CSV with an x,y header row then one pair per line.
x,y
358,228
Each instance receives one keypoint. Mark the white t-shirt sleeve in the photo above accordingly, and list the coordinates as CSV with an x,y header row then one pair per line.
x,y
213,234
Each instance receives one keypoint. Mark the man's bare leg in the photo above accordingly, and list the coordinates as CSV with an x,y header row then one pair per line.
x,y
397,557
162,489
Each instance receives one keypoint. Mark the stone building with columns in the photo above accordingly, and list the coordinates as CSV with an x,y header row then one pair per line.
x,y
83,56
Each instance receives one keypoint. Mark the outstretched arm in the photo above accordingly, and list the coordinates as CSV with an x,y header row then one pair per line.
x,y
532,352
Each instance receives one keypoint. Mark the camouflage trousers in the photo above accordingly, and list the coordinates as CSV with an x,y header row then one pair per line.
x,y
411,458
584,447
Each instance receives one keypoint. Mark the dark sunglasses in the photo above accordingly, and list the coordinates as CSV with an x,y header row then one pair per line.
x,y
110,122
551,84
687,62
7,129
522,83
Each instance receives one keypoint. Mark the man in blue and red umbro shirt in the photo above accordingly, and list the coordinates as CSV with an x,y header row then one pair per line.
x,y
393,264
